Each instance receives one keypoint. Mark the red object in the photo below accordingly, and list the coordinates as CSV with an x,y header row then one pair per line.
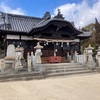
x,y
55,59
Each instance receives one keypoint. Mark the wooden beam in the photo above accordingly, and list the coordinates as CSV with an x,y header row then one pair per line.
x,y
55,40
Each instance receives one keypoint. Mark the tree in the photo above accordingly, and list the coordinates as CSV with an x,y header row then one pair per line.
x,y
97,33
91,40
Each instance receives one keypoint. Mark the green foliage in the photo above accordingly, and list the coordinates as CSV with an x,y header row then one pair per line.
x,y
90,27
91,40
85,43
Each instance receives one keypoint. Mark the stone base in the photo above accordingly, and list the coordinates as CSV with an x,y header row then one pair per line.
x,y
72,61
39,67
9,64
91,64
30,69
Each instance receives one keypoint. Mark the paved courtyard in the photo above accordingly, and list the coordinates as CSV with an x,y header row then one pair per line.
x,y
77,87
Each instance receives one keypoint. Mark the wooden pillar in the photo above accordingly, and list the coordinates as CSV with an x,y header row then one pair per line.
x,y
5,45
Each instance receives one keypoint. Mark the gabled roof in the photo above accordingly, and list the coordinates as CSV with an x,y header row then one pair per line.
x,y
19,23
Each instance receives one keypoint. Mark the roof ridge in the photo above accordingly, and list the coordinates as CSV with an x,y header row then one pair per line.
x,y
18,15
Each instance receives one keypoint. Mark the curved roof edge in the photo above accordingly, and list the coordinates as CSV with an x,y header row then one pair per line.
x,y
85,34
43,23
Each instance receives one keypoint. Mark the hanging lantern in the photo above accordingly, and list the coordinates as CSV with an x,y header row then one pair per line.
x,y
56,43
68,43
55,50
61,44
46,43
20,43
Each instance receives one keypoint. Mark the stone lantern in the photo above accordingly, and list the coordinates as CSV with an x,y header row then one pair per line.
x,y
90,61
19,55
98,56
38,53
19,51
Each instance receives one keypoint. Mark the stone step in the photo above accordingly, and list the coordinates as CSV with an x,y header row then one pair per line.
x,y
66,70
60,64
23,76
69,73
63,67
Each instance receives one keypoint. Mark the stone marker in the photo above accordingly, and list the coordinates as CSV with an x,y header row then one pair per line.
x,y
11,52
10,57
29,63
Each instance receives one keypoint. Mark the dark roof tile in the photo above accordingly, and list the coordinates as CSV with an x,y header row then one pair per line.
x,y
19,23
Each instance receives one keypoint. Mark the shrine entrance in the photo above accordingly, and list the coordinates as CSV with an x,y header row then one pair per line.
x,y
58,51
59,38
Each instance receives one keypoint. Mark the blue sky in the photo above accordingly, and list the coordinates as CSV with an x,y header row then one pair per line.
x,y
82,12
37,7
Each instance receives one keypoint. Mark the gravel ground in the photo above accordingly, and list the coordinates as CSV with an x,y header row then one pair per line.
x,y
77,87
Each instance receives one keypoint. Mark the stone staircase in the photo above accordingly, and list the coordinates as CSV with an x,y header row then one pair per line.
x,y
64,69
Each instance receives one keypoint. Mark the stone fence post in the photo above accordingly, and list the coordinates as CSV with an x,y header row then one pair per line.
x,y
29,63
75,57
98,56
2,65
85,57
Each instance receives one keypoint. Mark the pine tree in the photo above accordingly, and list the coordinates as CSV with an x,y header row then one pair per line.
x,y
97,34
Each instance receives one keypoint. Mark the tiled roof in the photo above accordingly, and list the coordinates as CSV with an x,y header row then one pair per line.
x,y
22,23
85,34
18,23
45,22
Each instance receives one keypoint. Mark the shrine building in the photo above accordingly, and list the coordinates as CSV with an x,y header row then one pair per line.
x,y
58,36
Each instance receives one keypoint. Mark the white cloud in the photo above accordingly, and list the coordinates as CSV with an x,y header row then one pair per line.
x,y
82,13
7,9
